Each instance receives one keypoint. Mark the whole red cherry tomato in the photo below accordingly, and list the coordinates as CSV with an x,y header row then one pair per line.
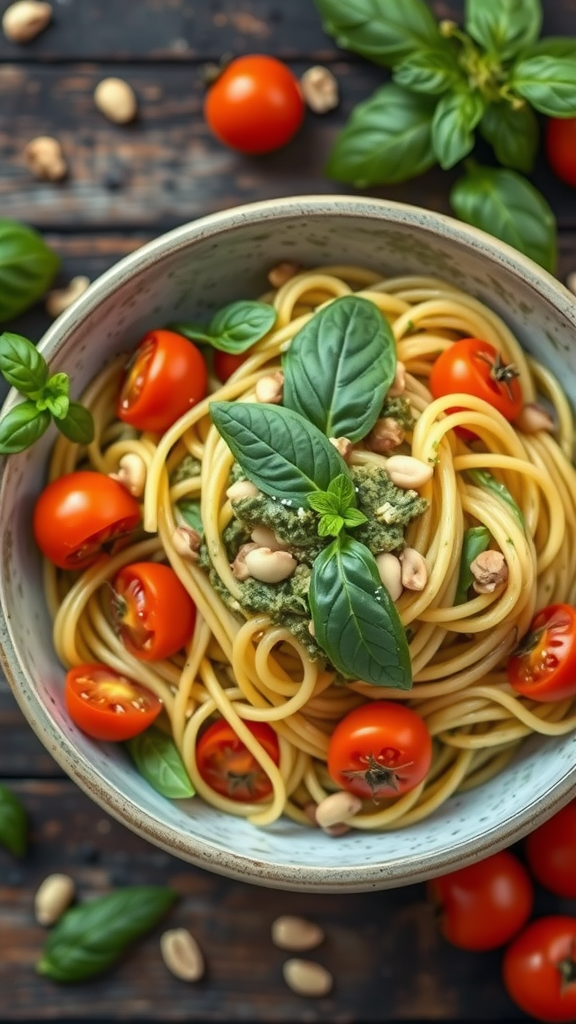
x,y
539,968
474,367
543,667
482,906
166,376
153,612
560,143
226,363
107,705
228,767
80,512
551,852
255,105
380,749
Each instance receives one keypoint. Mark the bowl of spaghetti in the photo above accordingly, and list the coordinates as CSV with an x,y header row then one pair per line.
x,y
300,609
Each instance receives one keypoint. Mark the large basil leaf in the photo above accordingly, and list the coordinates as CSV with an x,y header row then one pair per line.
x,y
287,457
157,759
235,328
387,139
513,134
13,823
506,205
503,27
553,46
77,425
90,937
21,427
21,364
548,83
355,620
27,268
384,31
339,367
429,71
453,124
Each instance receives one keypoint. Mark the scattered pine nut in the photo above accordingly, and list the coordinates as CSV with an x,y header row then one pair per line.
x,y
24,20
116,100
307,978
320,89
60,298
45,158
182,954
296,933
53,897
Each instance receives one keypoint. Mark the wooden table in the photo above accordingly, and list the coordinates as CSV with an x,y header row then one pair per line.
x,y
127,185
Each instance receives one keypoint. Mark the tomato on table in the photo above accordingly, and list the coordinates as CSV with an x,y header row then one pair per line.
x,y
474,367
551,852
226,363
560,145
543,667
165,378
107,705
78,514
380,749
255,105
539,968
483,905
227,766
152,611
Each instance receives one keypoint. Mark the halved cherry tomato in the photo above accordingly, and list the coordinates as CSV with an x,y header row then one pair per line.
x,y
152,610
255,105
78,513
483,905
380,749
474,367
543,667
228,767
539,968
561,147
226,363
107,705
166,376
551,852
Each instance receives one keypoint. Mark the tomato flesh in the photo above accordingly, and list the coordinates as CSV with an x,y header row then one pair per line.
x,y
227,766
560,143
152,610
106,705
539,968
166,377
474,367
226,363
544,666
551,852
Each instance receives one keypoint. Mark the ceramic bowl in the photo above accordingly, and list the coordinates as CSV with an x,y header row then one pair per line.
x,y
187,274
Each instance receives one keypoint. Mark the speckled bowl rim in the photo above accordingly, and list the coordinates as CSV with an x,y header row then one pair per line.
x,y
359,878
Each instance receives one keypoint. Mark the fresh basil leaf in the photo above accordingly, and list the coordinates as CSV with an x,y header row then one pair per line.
x,y
77,425
513,134
13,823
189,509
548,83
474,542
21,427
453,124
354,517
383,31
287,457
339,367
330,526
191,331
342,489
387,139
90,937
241,324
55,395
355,620
157,759
429,71
503,27
552,46
482,478
27,268
21,364
324,503
506,205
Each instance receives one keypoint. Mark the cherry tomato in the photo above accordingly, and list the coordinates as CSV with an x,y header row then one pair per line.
x,y
226,363
380,749
482,906
228,767
474,367
152,610
78,513
539,968
551,852
107,705
543,667
255,105
560,142
167,375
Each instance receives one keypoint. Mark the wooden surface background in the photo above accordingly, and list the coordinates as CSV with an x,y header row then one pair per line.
x,y
127,185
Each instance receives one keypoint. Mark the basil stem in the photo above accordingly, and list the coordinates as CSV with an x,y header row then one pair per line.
x,y
13,823
475,541
157,759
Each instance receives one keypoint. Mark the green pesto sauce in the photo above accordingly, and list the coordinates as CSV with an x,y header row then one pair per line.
x,y
185,469
399,409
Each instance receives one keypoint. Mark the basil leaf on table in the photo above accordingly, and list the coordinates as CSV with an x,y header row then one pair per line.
x,y
77,425
453,124
513,134
21,427
339,367
387,139
482,478
503,27
13,823
384,31
355,620
27,268
90,937
157,759
429,71
506,205
475,541
548,83
287,457
235,328
21,364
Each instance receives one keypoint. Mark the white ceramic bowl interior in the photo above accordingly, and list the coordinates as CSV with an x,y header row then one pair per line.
x,y
189,273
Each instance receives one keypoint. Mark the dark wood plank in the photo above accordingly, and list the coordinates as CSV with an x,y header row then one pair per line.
x,y
22,755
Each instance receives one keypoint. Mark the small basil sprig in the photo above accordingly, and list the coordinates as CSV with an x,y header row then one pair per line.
x,y
157,759
90,937
47,398
336,507
475,541
13,823
27,268
234,328
482,478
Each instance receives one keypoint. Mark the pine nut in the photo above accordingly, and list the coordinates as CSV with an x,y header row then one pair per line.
x,y
296,933
116,100
187,541
390,572
307,978
242,489
414,569
320,89
398,385
282,272
571,281
45,159
269,388
53,897
269,566
533,418
408,472
343,446
337,808
131,473
182,954
24,20
266,538
60,298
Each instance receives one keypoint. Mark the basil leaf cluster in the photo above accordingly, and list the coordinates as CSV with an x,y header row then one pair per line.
x,y
493,77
